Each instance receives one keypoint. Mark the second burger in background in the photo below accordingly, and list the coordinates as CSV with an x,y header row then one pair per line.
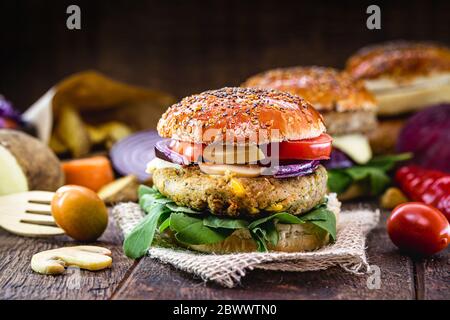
x,y
240,172
404,77
349,111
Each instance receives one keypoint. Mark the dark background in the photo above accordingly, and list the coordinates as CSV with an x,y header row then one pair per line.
x,y
190,46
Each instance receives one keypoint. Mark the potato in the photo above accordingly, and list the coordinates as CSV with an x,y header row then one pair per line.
x,y
56,145
89,90
108,133
27,164
72,133
120,190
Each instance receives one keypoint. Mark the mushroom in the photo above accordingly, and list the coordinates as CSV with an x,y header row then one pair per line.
x,y
86,257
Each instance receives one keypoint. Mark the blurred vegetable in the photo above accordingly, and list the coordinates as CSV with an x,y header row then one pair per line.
x,y
6,123
418,228
338,160
120,190
100,99
130,155
372,174
112,110
108,133
92,173
356,146
80,212
429,186
27,164
392,197
7,111
71,131
57,145
427,135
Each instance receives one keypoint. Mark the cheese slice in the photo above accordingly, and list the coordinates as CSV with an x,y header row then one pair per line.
x,y
229,154
356,146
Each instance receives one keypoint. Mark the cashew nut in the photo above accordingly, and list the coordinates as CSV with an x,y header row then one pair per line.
x,y
86,257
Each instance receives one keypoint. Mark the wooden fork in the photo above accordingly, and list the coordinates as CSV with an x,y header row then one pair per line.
x,y
28,214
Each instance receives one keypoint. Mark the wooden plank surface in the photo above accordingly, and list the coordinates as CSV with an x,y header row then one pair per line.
x,y
401,278
152,280
18,281
433,277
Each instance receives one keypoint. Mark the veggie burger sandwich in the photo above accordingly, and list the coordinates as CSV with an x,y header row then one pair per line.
x,y
239,172
349,111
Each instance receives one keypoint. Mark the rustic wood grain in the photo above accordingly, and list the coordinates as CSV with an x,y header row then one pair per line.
x,y
152,280
433,277
18,281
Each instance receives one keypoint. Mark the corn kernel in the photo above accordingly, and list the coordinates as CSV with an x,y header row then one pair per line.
x,y
276,207
237,187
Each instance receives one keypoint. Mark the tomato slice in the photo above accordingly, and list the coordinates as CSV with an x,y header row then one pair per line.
x,y
192,151
318,148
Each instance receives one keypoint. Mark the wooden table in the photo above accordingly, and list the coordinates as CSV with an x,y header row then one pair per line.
x,y
401,276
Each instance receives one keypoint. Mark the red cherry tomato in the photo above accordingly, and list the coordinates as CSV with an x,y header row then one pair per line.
x,y
318,148
418,228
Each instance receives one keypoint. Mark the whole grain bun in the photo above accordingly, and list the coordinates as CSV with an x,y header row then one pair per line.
x,y
326,88
399,59
292,237
241,116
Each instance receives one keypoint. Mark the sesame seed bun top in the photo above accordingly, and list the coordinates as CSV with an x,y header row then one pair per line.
x,y
399,59
326,88
241,116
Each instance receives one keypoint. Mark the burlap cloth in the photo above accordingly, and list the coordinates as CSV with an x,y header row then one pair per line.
x,y
227,270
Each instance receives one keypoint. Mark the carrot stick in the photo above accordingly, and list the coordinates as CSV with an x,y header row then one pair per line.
x,y
92,173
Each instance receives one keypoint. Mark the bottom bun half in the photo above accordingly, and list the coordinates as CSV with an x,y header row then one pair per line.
x,y
292,237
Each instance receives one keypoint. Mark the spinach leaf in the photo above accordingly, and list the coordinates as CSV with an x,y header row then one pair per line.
x,y
175,208
140,238
376,177
387,162
164,225
374,173
145,190
259,239
192,230
282,217
270,232
322,218
216,222
338,180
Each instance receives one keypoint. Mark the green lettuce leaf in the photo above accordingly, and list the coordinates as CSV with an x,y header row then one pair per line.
x,y
373,173
194,228
140,238
216,222
322,218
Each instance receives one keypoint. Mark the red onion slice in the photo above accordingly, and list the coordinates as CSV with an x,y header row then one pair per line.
x,y
300,169
131,154
163,152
